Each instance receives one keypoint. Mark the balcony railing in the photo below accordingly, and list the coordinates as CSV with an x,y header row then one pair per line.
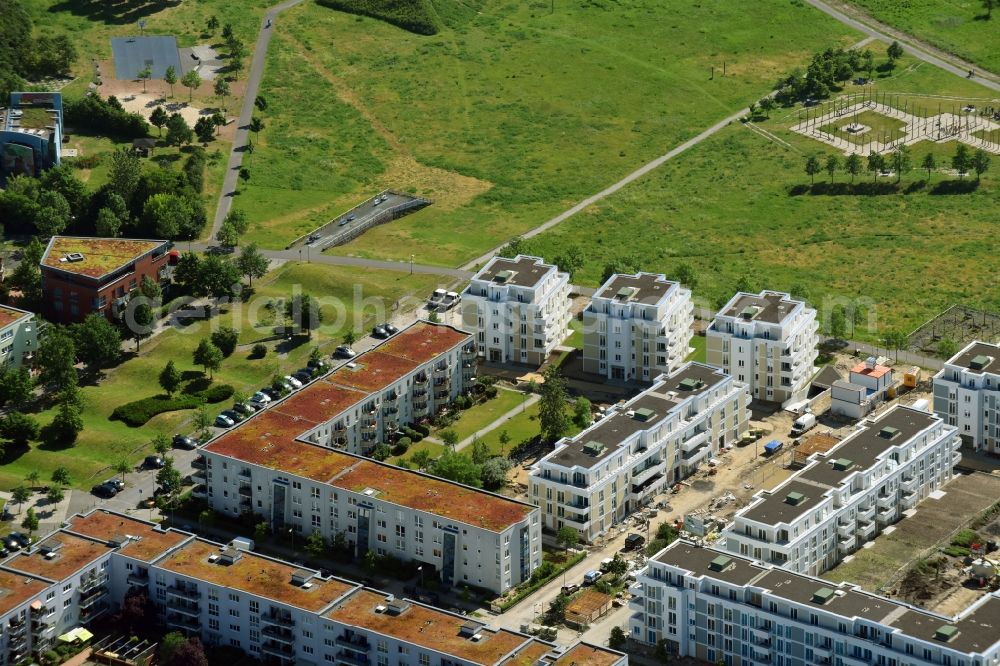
x,y
185,607
183,593
277,620
278,650
183,621
88,584
352,659
198,463
358,644
278,634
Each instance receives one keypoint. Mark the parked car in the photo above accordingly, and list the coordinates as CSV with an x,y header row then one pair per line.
x,y
4,551
380,332
303,376
11,545
271,392
260,396
21,538
318,364
233,415
185,442
377,201
435,299
223,421
153,462
606,563
118,484
104,490
350,218
634,542
591,577
390,329
244,408
343,351
296,384
259,404
802,424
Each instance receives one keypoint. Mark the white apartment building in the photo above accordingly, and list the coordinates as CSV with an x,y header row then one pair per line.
x,y
518,309
602,475
404,379
637,327
849,494
18,336
468,536
721,608
274,611
967,395
768,341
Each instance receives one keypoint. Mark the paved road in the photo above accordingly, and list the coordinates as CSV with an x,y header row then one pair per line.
x,y
917,49
254,76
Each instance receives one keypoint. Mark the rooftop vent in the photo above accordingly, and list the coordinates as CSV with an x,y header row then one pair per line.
x,y
625,293
644,414
470,629
230,555
396,606
749,312
74,256
842,464
794,498
593,448
503,276
888,432
979,362
119,540
946,632
50,549
214,557
823,595
301,577
690,384
720,563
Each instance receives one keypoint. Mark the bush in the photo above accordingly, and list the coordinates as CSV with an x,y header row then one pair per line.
x,y
225,339
422,428
401,446
217,393
194,170
89,161
414,15
139,412
259,351
104,117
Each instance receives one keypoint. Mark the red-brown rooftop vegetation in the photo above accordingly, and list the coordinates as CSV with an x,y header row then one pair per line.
x,y
9,315
423,341
436,496
100,255
73,554
253,574
320,401
587,655
426,627
149,544
375,371
15,589
529,654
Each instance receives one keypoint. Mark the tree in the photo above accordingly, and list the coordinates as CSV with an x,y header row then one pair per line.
x,y
123,173
222,90
158,118
204,129
141,324
191,80
567,537
947,347
19,428
832,164
19,496
122,467
929,163
838,323
767,105
988,5
316,544
260,102
961,161
852,165
459,468
137,609
480,450
251,263
261,531
167,214
245,175
170,77
61,476
218,120
218,277
239,221
168,478
56,357
52,214
495,470
305,313
894,52
202,420
617,640
190,653
55,495
170,378
16,386
98,341
980,162
504,439
227,235
901,162
32,478
144,76
552,406
226,339
178,131
212,24
449,437
67,423
876,163
168,646
350,337
30,521
149,289
581,412
107,224
208,356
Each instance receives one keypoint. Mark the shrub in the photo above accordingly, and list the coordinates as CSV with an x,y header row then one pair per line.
x,y
414,15
104,117
194,170
89,161
422,428
225,339
401,446
259,351
217,393
139,412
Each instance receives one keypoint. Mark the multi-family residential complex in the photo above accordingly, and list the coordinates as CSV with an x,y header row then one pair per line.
x,y
967,395
725,609
518,308
599,477
768,341
18,336
849,494
274,611
637,327
84,275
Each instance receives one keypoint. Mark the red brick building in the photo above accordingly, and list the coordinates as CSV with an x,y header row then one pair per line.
x,y
84,275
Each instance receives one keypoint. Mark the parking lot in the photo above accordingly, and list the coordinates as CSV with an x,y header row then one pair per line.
x,y
355,221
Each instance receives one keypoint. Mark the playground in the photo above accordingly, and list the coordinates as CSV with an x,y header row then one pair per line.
x,y
871,121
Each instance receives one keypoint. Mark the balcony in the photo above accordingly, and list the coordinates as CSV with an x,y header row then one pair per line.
x,y
277,620
245,491
652,467
420,380
138,579
279,634
419,391
910,499
908,483
847,545
823,652
93,596
358,643
92,611
647,485
845,529
761,634
886,501
88,584
440,371
199,476
696,456
283,652
198,463
866,530
352,659
578,520
184,622
184,607
867,514
886,516
697,440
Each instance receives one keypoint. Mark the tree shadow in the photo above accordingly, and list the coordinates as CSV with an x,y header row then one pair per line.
x,y
190,375
110,12
955,187
197,385
915,186
50,440
12,451
292,342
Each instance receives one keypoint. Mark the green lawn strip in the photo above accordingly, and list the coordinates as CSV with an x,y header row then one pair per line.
x,y
698,355
433,448
541,109
481,415
575,338
956,26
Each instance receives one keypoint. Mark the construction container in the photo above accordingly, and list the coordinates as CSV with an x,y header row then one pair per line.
x,y
911,377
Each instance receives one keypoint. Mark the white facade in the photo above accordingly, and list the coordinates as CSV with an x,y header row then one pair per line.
x,y
637,327
721,608
598,478
518,308
849,494
18,336
767,341
967,395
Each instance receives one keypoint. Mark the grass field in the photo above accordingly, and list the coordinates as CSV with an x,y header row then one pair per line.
x,y
103,442
957,26
877,124
726,208
506,117
481,415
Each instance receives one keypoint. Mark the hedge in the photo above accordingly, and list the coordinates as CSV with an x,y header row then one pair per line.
x,y
139,412
524,589
414,15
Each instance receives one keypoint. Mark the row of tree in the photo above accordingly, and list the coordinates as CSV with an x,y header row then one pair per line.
x,y
899,161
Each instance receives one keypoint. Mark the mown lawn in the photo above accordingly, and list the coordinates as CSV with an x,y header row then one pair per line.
x,y
103,442
698,355
507,116
956,26
481,415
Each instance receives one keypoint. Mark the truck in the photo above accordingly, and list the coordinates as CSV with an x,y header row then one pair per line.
x,y
772,447
802,424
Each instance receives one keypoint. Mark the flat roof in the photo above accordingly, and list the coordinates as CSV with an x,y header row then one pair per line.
x,y
9,315
769,306
645,288
100,255
863,447
254,574
73,553
146,541
846,601
426,627
965,357
521,271
775,507
875,372
529,654
16,589
373,371
585,654
698,560
318,402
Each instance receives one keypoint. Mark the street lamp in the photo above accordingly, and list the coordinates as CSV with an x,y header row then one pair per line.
x,y
411,264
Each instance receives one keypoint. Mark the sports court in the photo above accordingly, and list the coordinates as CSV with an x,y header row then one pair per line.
x,y
134,54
